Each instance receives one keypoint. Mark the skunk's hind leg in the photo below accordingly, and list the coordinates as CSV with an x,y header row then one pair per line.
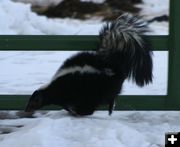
x,y
111,106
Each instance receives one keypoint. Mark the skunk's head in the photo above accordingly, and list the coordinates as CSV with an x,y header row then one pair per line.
x,y
35,101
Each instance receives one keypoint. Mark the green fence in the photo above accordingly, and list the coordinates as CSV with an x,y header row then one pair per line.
x,y
170,43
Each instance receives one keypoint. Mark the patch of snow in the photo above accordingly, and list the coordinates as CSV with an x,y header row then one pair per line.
x,y
51,2
153,8
40,2
23,72
122,129
29,23
28,70
159,28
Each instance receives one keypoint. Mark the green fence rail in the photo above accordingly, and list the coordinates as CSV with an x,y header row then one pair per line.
x,y
170,43
68,43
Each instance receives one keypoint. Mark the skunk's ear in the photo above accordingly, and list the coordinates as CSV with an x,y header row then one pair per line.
x,y
35,102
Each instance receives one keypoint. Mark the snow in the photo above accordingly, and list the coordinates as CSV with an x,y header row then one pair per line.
x,y
51,2
40,2
153,8
31,72
29,23
23,72
122,129
159,29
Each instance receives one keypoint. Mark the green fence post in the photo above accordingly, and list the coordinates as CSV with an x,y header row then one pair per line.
x,y
173,101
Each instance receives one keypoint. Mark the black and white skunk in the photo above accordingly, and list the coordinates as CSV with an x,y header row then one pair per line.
x,y
90,79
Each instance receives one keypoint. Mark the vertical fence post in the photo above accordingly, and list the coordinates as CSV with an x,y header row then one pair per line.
x,y
173,101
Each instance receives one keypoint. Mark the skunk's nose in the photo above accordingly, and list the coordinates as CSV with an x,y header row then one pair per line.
x,y
31,106
35,102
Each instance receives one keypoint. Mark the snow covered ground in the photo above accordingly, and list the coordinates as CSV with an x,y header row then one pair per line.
x,y
23,72
122,129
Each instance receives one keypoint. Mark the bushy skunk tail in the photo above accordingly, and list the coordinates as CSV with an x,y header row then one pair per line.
x,y
123,38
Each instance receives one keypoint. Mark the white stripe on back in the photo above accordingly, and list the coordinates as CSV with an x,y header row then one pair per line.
x,y
79,69
74,69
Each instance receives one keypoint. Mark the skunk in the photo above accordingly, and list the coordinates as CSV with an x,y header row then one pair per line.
x,y
88,80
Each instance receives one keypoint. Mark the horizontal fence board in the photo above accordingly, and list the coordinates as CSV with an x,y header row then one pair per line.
x,y
66,42
124,102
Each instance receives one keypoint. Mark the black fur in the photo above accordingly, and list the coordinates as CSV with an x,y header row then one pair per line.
x,y
123,53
